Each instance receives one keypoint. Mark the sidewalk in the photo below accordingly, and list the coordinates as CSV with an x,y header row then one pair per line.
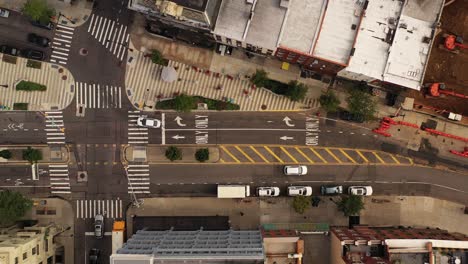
x,y
49,154
380,210
78,12
59,82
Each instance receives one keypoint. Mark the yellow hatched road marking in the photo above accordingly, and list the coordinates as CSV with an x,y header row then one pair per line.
x,y
289,155
395,159
378,157
304,155
347,156
272,153
230,154
362,156
333,155
318,155
245,154
259,154
222,161
410,161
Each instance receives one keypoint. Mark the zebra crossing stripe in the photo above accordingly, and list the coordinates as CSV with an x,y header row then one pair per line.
x,y
91,22
65,27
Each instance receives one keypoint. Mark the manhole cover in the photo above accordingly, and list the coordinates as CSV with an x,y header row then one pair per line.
x,y
83,52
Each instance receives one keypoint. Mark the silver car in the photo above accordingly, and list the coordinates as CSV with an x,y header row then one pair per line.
x,y
148,122
295,170
299,191
4,13
99,226
268,191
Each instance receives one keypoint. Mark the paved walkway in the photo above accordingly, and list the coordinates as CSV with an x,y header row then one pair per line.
x,y
59,82
78,12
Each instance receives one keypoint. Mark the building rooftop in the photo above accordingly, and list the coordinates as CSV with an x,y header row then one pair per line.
x,y
338,30
394,41
301,25
199,5
232,19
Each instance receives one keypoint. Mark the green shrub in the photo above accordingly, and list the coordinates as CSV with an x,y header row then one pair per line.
x,y
329,101
351,205
38,10
184,103
6,154
181,103
296,90
202,155
9,59
20,106
32,155
361,103
30,86
300,204
173,153
157,58
34,64
260,78
13,206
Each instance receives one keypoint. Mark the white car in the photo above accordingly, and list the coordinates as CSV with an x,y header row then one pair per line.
x,y
268,191
299,191
295,170
148,122
360,190
4,13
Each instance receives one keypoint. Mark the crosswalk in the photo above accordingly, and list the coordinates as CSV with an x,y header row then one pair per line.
x,y
98,96
136,134
59,179
138,178
111,34
90,208
55,130
61,44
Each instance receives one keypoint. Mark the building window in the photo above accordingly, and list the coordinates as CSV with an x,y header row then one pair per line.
x,y
229,41
16,260
33,251
25,255
269,52
301,59
218,38
46,245
37,249
238,43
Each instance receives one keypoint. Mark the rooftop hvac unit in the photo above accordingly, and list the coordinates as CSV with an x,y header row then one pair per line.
x,y
284,3
249,2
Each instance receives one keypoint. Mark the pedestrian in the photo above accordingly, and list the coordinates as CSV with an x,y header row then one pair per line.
x,y
241,214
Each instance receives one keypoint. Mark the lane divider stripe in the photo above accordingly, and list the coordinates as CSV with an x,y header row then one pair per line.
x,y
259,154
304,155
378,157
347,156
289,155
362,156
243,153
273,154
318,155
333,155
230,154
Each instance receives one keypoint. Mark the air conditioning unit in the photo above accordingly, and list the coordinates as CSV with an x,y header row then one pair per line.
x,y
250,2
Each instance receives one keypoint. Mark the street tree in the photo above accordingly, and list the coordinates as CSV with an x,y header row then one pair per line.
x,y
32,155
350,205
329,101
157,57
300,204
38,10
184,103
361,104
296,91
260,78
6,154
13,206
173,153
202,155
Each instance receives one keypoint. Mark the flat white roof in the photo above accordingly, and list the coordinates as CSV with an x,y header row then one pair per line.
x,y
232,19
392,43
337,36
302,24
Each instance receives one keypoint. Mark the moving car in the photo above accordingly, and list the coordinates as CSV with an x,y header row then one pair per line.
x,y
38,40
360,190
48,26
94,254
99,226
299,191
4,13
295,170
33,54
9,50
331,189
268,191
148,122
345,115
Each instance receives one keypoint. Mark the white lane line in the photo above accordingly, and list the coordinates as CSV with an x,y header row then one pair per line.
x,y
65,27
120,97
57,52
58,57
91,23
163,129
93,92
98,93
61,40
85,94
238,129
111,31
100,31
60,48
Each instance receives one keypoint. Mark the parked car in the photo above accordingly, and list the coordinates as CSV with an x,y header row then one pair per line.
x,y
48,26
94,254
345,115
9,50
268,191
4,13
38,40
295,170
32,54
148,122
360,190
331,189
99,226
299,191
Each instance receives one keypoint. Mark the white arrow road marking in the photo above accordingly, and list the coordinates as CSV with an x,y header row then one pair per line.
x,y
178,119
178,137
287,120
286,138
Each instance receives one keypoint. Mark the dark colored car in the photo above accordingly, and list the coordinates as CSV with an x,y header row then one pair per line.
x,y
331,189
48,26
9,50
32,54
345,115
94,254
38,40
